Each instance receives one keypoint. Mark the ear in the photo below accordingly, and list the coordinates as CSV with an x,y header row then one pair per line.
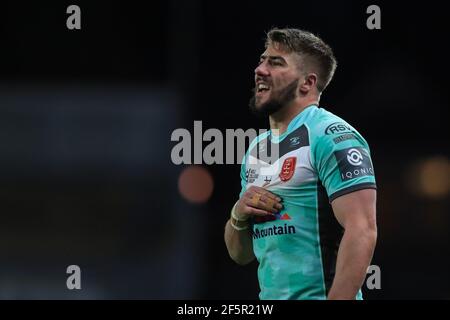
x,y
309,82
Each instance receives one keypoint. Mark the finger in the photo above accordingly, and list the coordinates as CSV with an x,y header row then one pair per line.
x,y
273,204
267,193
258,212
261,198
255,202
270,202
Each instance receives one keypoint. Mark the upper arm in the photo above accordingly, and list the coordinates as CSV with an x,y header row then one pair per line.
x,y
344,166
356,209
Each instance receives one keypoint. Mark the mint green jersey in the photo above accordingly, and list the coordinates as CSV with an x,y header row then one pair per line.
x,y
319,158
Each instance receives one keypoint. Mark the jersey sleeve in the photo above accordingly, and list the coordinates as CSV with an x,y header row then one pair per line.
x,y
343,163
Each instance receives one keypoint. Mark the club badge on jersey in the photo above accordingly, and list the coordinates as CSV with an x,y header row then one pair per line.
x,y
288,168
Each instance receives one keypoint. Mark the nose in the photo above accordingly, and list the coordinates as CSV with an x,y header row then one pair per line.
x,y
261,70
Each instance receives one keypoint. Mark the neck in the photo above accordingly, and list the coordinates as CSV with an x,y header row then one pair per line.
x,y
280,120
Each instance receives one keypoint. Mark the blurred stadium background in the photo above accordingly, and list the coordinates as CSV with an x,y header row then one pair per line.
x,y
86,117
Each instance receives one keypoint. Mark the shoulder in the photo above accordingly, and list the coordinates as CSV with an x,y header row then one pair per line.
x,y
325,123
326,126
330,134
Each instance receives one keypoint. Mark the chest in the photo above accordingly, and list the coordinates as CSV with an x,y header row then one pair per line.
x,y
292,170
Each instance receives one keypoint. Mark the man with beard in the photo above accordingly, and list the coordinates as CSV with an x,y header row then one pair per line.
x,y
307,212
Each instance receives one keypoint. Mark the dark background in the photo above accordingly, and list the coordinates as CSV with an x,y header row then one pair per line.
x,y
86,118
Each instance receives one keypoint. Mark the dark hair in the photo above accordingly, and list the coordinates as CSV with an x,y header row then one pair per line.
x,y
315,53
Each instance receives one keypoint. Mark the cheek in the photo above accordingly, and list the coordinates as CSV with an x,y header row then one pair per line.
x,y
282,79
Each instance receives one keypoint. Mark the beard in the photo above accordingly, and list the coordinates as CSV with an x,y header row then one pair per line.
x,y
276,102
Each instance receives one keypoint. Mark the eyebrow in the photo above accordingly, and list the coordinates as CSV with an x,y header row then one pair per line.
x,y
272,58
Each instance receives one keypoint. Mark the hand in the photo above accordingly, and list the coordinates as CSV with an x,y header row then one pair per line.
x,y
257,201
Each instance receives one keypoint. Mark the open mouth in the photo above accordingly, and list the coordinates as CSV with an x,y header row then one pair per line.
x,y
261,87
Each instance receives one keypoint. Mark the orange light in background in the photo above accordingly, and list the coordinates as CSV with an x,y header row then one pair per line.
x,y
430,177
434,177
195,184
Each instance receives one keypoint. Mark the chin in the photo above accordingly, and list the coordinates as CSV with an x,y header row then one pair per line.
x,y
260,102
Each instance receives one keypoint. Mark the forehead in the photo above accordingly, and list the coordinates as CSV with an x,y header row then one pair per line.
x,y
277,51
